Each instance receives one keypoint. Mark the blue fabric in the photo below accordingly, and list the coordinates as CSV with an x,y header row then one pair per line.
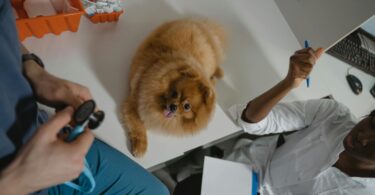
x,y
19,118
115,173
18,109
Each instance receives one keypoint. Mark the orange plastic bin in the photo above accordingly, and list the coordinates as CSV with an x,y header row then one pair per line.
x,y
39,26
106,17
101,17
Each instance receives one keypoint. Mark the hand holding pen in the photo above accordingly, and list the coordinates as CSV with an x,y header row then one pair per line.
x,y
301,64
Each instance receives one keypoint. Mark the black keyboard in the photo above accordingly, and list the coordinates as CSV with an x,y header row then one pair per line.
x,y
350,51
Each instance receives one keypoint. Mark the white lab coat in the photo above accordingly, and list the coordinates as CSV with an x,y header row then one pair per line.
x,y
303,164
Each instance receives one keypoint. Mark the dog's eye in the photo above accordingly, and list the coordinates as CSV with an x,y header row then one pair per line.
x,y
187,107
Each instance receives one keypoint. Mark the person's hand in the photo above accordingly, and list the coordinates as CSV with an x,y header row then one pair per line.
x,y
53,91
46,160
301,64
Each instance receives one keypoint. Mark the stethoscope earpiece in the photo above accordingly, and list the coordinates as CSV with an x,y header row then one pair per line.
x,y
96,119
84,111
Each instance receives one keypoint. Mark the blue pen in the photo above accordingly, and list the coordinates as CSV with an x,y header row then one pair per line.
x,y
308,78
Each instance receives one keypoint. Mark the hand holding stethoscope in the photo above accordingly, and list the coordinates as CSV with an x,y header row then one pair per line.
x,y
84,117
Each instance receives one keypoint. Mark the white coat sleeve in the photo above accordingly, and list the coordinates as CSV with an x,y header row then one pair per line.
x,y
289,116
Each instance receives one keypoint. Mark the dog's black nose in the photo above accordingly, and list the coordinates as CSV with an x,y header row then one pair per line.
x,y
173,107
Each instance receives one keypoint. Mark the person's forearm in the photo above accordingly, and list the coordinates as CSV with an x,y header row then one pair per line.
x,y
300,66
30,68
258,108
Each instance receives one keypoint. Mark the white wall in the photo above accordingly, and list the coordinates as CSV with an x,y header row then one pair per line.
x,y
324,22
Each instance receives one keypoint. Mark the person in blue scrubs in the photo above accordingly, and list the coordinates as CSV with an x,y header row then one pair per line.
x,y
33,159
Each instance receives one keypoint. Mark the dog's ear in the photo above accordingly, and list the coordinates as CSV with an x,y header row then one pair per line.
x,y
208,93
188,72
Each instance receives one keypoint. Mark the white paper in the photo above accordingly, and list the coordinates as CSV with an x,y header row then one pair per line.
x,y
222,177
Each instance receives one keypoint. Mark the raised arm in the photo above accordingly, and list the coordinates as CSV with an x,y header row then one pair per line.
x,y
300,66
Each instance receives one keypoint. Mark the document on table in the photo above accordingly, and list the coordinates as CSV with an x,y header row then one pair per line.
x,y
222,177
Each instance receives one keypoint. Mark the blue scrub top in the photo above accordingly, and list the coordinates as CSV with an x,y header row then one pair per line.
x,y
18,108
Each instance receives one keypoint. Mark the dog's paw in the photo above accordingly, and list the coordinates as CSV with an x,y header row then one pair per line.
x,y
138,148
138,144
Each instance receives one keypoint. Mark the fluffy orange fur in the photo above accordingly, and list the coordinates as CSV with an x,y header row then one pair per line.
x,y
172,80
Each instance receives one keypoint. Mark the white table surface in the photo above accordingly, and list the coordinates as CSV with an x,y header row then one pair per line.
x,y
99,56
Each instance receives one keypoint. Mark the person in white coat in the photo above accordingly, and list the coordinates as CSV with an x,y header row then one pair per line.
x,y
331,152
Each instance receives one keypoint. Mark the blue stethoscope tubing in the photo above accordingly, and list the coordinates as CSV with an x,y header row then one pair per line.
x,y
86,170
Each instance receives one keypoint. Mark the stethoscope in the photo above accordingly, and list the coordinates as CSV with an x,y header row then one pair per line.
x,y
84,117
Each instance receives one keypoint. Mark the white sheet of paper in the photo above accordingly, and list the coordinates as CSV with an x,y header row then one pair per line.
x,y
222,177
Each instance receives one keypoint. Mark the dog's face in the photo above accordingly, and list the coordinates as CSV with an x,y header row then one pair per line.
x,y
188,99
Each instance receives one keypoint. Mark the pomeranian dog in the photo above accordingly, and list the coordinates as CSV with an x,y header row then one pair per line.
x,y
172,80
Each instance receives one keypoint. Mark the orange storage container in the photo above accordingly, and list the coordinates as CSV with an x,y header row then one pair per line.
x,y
39,26
106,17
